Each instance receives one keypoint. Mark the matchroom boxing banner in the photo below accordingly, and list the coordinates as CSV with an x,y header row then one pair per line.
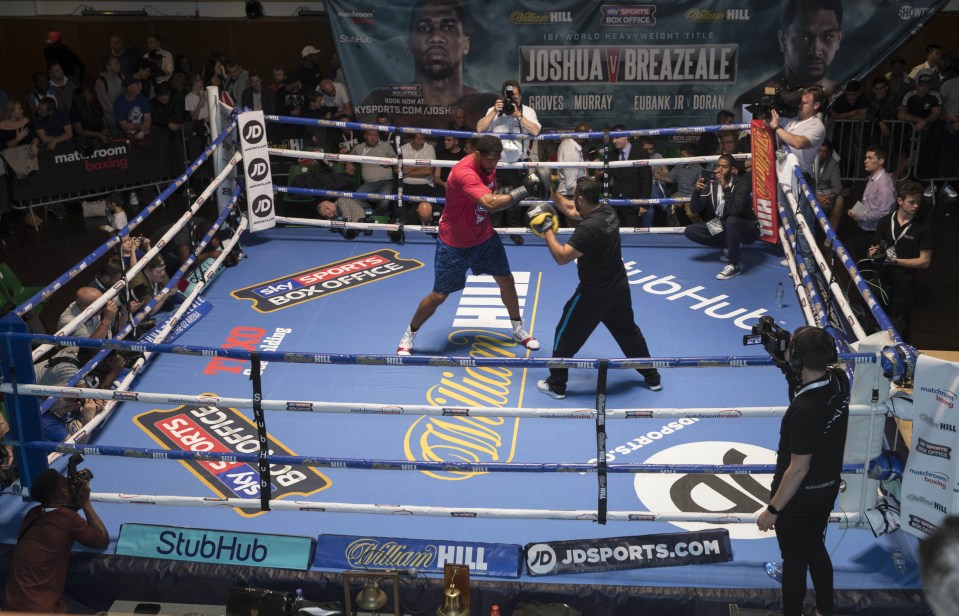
x,y
930,483
650,64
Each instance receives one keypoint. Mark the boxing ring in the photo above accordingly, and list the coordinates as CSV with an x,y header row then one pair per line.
x,y
285,360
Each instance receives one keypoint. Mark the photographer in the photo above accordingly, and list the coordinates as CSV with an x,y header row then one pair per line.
x,y
812,439
904,246
804,134
41,558
510,115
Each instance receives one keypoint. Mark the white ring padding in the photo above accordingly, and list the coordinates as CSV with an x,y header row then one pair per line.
x,y
446,512
110,293
362,408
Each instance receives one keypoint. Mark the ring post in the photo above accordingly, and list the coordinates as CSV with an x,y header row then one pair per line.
x,y
23,411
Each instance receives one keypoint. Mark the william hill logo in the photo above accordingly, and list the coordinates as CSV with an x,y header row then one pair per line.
x,y
325,280
207,428
525,18
709,15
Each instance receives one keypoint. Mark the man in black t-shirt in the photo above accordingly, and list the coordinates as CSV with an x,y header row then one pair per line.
x,y
812,440
908,243
603,294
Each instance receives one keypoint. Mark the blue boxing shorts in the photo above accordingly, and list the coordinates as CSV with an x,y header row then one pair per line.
x,y
450,264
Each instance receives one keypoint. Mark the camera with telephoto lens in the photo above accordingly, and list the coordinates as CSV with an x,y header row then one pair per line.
x,y
76,476
775,339
509,106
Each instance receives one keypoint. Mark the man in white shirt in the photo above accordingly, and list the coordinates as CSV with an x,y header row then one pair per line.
x,y
571,151
335,95
803,134
418,180
510,115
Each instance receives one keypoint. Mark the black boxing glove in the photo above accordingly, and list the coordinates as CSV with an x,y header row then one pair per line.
x,y
542,218
539,183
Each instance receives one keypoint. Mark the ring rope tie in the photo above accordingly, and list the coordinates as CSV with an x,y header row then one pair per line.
x,y
263,455
601,478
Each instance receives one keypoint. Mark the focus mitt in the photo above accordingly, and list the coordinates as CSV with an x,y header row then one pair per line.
x,y
541,218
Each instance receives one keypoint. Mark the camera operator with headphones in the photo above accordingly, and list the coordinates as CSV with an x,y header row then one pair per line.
x,y
812,439
510,115
41,558
904,247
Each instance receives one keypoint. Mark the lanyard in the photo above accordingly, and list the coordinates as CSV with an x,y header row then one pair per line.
x,y
892,229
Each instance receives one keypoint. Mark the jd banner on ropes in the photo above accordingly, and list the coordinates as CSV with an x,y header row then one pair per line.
x,y
644,65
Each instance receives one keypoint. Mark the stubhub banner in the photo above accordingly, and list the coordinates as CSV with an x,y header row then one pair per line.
x,y
423,555
215,546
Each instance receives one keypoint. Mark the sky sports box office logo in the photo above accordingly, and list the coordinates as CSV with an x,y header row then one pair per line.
x,y
207,428
311,284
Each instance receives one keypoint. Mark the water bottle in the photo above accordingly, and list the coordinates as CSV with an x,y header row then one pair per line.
x,y
899,562
297,601
774,570
779,295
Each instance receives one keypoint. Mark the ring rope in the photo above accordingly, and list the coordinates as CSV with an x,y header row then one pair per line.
x,y
54,286
364,408
600,467
718,361
644,132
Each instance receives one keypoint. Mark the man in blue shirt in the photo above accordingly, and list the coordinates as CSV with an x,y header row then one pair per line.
x,y
131,111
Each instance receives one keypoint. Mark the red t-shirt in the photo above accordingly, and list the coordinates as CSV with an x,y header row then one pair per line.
x,y
41,558
465,223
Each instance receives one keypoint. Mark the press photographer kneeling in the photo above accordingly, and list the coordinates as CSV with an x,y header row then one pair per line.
x,y
41,558
904,246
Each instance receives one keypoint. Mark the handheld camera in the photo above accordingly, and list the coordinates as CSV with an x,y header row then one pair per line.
x,y
76,476
509,106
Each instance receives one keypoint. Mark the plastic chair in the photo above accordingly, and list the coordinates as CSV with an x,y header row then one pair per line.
x,y
13,289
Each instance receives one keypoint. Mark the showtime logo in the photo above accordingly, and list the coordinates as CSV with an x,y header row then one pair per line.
x,y
911,12
113,157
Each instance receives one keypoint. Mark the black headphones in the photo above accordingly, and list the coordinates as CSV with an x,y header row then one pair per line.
x,y
795,358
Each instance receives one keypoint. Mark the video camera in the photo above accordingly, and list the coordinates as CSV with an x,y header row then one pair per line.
x,y
509,106
775,339
781,97
884,252
76,476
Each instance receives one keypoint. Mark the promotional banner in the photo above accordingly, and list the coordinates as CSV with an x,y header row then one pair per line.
x,y
260,210
421,555
197,310
931,479
215,546
618,553
70,170
645,65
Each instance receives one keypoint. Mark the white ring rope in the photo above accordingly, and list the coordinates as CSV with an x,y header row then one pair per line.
x,y
363,408
447,512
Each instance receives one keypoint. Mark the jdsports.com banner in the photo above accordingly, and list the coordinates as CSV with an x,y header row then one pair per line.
x,y
930,484
643,64
618,553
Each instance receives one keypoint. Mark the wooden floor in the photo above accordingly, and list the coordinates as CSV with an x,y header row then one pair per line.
x,y
39,256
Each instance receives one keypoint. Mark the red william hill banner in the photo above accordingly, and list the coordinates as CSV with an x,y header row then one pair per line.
x,y
764,181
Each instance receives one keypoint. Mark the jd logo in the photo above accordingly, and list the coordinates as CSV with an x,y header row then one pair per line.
x,y
540,558
726,494
263,206
253,132
257,170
